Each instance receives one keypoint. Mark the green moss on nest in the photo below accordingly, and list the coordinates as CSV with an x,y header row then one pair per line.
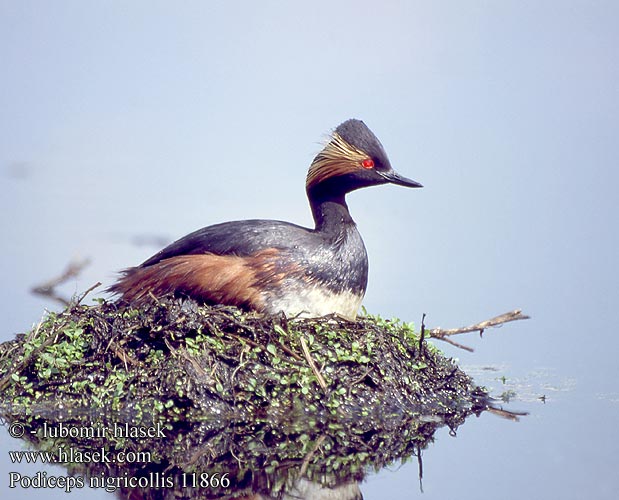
x,y
236,393
177,358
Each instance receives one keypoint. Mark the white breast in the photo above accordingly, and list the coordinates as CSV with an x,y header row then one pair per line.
x,y
315,301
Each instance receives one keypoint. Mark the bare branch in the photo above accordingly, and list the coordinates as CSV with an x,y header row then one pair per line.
x,y
456,344
48,288
442,334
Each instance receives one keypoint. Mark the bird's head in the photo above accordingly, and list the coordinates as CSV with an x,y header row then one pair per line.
x,y
353,158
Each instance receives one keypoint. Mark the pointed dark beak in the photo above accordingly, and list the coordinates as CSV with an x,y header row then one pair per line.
x,y
394,178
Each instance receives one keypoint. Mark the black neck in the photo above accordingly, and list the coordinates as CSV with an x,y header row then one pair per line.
x,y
330,211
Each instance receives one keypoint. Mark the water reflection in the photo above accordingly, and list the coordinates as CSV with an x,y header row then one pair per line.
x,y
302,456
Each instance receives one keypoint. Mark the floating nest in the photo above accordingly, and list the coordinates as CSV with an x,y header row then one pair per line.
x,y
271,401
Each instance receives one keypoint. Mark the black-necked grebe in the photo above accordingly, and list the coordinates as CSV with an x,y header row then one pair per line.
x,y
273,266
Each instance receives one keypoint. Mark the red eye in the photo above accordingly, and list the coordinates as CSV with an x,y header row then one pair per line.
x,y
367,163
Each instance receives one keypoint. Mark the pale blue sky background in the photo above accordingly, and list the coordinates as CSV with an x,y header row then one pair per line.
x,y
120,119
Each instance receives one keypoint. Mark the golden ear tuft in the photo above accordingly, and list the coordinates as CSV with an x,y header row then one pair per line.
x,y
337,158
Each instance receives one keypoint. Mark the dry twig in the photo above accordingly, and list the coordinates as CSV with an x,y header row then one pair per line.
x,y
443,334
309,359
48,288
81,297
310,454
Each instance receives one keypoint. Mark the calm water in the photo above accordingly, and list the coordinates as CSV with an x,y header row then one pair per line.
x,y
127,126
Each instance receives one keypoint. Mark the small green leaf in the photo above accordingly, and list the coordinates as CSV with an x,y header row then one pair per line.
x,y
278,329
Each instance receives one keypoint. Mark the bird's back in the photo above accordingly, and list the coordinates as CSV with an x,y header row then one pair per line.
x,y
265,265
